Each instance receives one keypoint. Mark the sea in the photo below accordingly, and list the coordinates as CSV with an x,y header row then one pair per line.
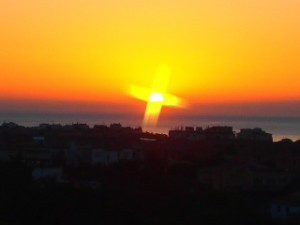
x,y
280,126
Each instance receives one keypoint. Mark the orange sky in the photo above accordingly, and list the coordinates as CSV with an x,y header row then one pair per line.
x,y
91,50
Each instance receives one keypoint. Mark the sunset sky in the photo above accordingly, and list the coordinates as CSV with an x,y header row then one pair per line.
x,y
219,52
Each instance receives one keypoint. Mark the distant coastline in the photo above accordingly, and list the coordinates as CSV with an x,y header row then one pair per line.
x,y
280,127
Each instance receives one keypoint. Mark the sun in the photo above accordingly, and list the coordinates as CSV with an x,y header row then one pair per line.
x,y
156,97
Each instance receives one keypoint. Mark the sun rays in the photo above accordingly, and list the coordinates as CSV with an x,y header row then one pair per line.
x,y
156,96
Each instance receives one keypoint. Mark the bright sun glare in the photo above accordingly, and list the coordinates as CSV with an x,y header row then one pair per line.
x,y
156,97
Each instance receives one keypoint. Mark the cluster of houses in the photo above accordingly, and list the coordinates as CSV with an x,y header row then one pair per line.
x,y
221,159
221,133
250,162
74,155
228,177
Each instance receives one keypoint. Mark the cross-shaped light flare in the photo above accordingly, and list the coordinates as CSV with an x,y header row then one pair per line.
x,y
156,97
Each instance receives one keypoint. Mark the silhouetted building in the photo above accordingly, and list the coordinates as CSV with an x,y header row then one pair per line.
x,y
106,157
210,133
189,129
219,133
243,177
10,125
115,126
256,134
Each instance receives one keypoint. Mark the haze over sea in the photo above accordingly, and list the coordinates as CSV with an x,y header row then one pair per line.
x,y
280,127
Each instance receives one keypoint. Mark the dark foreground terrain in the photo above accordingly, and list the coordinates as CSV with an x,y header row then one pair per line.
x,y
128,194
77,175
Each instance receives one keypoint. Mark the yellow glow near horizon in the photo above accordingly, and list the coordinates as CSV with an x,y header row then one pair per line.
x,y
225,51
156,97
